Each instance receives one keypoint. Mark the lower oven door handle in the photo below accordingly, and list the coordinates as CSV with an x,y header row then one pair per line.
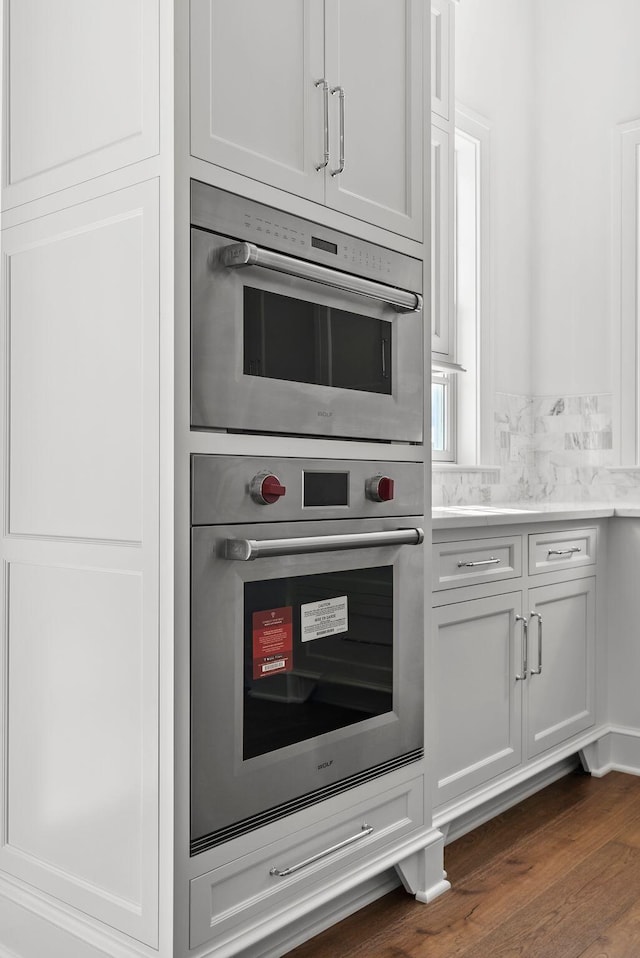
x,y
246,549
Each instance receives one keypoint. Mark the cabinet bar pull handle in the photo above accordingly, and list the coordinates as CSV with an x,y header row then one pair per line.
x,y
564,552
472,565
283,872
240,255
325,90
536,615
525,643
340,91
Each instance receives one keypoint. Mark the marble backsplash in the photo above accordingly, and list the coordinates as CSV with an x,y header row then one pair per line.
x,y
547,449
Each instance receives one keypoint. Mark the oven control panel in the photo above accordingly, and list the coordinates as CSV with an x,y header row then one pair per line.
x,y
244,489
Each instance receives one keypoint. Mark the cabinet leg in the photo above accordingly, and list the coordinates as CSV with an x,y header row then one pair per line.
x,y
422,873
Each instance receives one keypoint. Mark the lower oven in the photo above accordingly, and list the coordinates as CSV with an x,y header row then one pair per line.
x,y
307,634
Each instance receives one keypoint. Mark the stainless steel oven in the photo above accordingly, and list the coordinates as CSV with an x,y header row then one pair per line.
x,y
307,626
299,329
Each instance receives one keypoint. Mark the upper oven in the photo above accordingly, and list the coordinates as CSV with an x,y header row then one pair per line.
x,y
298,329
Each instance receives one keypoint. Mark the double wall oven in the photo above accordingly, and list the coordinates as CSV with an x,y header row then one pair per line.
x,y
307,574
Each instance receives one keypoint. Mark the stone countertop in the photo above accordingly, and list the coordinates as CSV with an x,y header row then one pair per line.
x,y
464,517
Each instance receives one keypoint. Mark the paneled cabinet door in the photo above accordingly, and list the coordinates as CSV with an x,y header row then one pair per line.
x,y
560,698
373,55
442,212
441,56
477,698
255,106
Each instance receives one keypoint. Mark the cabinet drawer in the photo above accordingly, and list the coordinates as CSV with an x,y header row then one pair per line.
x,y
458,564
549,551
242,890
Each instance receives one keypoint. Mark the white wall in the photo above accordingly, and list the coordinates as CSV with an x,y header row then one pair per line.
x,y
587,80
494,77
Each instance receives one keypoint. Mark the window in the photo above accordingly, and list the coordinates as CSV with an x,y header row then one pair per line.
x,y
461,407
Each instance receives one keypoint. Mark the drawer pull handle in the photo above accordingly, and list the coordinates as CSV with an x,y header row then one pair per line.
x,y
472,565
284,872
564,552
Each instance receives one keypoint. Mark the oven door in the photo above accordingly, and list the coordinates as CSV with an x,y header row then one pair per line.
x,y
276,352
306,665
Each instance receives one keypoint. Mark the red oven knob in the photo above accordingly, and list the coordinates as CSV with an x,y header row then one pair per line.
x,y
379,489
266,489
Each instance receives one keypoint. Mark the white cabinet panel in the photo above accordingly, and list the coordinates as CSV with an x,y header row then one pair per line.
x,y
374,52
82,758
560,699
441,56
82,302
477,698
442,248
255,106
82,97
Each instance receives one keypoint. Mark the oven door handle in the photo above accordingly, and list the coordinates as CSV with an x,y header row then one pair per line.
x,y
248,254
246,549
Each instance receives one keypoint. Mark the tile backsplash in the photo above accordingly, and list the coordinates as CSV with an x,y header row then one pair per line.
x,y
547,448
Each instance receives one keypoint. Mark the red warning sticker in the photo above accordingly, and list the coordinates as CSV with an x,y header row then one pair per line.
x,y
272,642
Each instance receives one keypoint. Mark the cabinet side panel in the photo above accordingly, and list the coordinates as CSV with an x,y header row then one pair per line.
x,y
82,91
76,324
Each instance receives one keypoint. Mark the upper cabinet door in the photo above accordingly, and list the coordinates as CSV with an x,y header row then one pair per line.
x,y
255,106
441,56
373,51
75,110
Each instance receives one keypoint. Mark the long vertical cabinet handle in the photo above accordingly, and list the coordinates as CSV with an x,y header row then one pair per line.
x,y
325,90
340,91
536,615
525,642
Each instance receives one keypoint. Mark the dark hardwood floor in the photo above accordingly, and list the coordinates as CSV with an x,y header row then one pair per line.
x,y
558,876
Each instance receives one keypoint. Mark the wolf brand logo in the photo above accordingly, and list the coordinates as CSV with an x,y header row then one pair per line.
x,y
325,414
325,765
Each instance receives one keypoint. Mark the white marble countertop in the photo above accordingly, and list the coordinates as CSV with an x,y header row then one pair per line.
x,y
461,517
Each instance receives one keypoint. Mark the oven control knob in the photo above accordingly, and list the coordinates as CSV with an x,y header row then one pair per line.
x,y
266,489
379,489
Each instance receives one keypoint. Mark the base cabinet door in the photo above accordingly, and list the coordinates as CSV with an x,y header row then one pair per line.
x,y
560,687
477,704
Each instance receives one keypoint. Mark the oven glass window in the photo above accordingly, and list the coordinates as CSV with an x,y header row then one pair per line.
x,y
300,341
318,655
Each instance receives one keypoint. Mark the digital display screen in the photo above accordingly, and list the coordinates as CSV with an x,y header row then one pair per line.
x,y
324,244
326,488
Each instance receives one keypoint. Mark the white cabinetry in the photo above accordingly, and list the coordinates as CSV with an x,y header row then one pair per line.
x,y
478,704
442,179
560,697
80,557
281,91
75,110
514,672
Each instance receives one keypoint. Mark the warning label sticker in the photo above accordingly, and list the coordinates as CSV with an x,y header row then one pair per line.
x,y
272,641
328,617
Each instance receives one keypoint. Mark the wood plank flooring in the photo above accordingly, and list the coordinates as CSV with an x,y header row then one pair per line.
x,y
558,876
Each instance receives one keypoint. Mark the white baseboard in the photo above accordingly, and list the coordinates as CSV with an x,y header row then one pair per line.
x,y
617,751
484,812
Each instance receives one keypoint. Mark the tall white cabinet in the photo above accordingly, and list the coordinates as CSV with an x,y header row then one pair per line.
x,y
109,109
